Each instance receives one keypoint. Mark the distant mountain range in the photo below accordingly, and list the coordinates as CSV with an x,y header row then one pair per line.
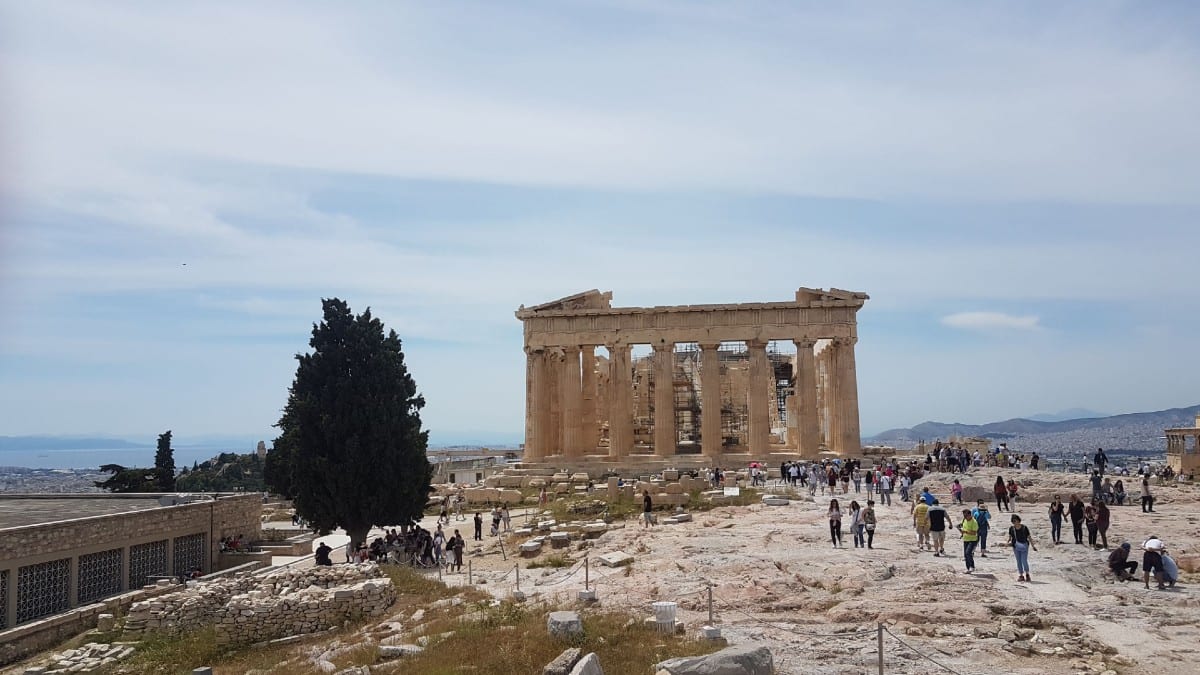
x,y
1132,431
32,443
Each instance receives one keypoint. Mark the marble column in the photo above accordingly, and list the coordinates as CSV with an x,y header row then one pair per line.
x,y
807,421
553,442
711,441
829,395
760,416
851,438
620,399
665,440
572,404
535,402
589,417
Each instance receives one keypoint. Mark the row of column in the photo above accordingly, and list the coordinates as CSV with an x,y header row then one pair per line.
x,y
562,415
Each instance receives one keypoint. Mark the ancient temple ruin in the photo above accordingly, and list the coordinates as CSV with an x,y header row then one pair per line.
x,y
753,379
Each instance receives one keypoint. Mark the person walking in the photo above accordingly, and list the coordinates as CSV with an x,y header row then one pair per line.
x,y
921,524
1089,519
885,489
478,526
984,518
856,525
1001,492
647,508
1056,517
457,545
969,527
1103,518
956,489
868,518
937,528
1075,511
1147,498
835,523
1021,541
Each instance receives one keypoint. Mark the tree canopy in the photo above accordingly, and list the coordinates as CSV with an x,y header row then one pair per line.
x,y
164,463
227,472
125,479
351,452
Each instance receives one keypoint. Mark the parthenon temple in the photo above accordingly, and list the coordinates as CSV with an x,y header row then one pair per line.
x,y
722,383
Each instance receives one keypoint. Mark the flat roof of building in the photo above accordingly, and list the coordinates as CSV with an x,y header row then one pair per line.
x,y
22,510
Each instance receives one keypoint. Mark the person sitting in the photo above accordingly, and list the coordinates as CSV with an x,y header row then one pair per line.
x,y
1120,565
1119,492
322,555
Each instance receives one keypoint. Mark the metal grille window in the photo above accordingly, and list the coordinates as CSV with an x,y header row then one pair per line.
x,y
99,575
4,599
145,561
189,553
42,589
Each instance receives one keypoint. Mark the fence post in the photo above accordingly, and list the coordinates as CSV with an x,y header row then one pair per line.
x,y
879,641
469,577
710,616
518,568
586,577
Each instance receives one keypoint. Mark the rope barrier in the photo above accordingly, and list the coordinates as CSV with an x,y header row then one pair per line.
x,y
919,653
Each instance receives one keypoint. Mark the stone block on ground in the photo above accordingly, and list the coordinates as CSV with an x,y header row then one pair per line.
x,y
775,500
564,662
674,489
670,474
564,624
580,477
615,559
530,549
738,660
399,651
106,622
560,539
588,665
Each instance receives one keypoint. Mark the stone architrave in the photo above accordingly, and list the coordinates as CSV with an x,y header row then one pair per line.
x,y
568,414
620,398
760,414
711,442
664,400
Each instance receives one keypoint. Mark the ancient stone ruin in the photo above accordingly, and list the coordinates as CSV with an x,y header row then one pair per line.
x,y
719,381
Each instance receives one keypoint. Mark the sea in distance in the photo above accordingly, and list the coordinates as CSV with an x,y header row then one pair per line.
x,y
84,458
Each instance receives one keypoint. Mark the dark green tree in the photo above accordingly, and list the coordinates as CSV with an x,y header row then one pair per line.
x,y
164,464
127,480
351,452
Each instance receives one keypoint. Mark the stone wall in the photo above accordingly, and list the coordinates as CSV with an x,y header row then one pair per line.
x,y
285,602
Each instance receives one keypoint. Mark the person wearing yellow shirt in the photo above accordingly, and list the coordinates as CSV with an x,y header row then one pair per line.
x,y
969,527
921,523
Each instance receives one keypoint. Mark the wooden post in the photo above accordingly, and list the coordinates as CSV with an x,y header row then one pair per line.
x,y
879,641
585,573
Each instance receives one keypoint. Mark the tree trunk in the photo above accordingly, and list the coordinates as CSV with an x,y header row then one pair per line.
x,y
358,536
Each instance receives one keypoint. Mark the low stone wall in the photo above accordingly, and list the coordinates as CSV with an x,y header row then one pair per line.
x,y
282,603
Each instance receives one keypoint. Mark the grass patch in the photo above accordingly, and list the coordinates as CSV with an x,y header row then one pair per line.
x,y
554,560
518,643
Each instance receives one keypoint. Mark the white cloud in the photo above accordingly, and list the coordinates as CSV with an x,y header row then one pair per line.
x,y
991,320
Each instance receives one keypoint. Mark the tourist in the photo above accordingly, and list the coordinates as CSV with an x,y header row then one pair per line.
x,y
506,518
542,497
647,507
1089,519
969,527
445,513
856,525
478,526
457,545
1021,541
1075,511
1012,493
856,476
1152,561
1119,563
1147,498
1103,518
835,523
439,543
905,484
937,528
868,518
1001,492
1056,518
1095,480
1100,460
845,475
496,518
1119,492
956,489
920,516
984,518
885,489
1033,461
322,555
1170,569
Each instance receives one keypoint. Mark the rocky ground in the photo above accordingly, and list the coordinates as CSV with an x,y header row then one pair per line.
x,y
777,580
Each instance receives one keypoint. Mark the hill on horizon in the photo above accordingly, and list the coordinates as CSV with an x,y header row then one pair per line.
x,y
1135,431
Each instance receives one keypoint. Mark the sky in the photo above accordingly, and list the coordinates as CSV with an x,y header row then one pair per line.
x,y
1014,184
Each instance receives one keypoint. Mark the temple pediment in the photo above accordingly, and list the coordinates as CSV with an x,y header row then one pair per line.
x,y
593,299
